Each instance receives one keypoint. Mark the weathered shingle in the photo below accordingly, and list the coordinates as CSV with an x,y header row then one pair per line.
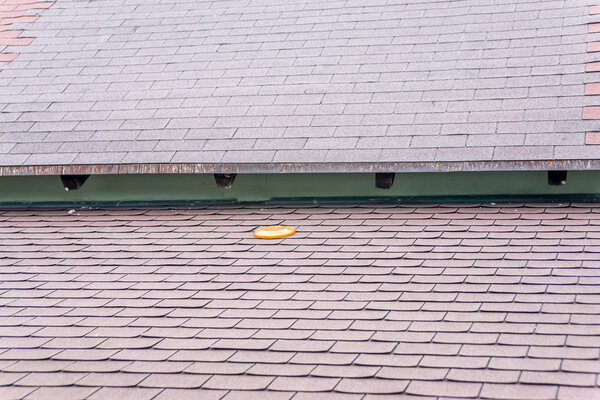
x,y
480,82
463,300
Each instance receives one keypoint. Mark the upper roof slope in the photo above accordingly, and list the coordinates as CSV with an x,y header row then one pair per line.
x,y
333,85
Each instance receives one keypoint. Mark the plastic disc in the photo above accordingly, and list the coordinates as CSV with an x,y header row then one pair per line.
x,y
274,232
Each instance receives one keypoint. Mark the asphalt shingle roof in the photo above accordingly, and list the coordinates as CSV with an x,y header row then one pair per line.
x,y
328,83
458,301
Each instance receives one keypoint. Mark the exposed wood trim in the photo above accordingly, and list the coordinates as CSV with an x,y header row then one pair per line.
x,y
268,168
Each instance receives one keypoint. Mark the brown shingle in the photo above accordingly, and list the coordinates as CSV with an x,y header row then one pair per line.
x,y
377,386
304,384
511,391
50,379
454,389
162,380
111,379
122,393
255,395
190,394
234,382
428,327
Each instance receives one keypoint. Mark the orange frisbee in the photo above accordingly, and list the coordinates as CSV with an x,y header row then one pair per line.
x,y
274,232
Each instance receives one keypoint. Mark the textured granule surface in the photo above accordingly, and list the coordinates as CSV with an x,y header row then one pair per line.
x,y
452,300
312,81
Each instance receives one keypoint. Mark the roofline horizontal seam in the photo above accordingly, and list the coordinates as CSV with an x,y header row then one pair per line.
x,y
309,167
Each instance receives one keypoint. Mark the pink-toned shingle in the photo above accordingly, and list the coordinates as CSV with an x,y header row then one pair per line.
x,y
111,379
61,393
375,386
304,384
190,394
573,393
344,371
413,373
427,326
190,381
238,382
511,391
133,393
454,389
50,379
281,369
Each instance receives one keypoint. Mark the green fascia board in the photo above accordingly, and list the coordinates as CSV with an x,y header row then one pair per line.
x,y
269,187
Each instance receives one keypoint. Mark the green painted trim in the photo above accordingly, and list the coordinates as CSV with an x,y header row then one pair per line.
x,y
282,187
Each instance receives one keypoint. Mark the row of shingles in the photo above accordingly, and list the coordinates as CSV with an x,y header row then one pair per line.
x,y
311,340
228,344
55,50
530,378
62,379
66,332
525,294
571,298
193,381
593,88
431,20
446,388
310,145
325,143
313,144
350,323
505,288
84,15
14,278
570,269
56,321
567,144
11,12
519,111
318,143
559,138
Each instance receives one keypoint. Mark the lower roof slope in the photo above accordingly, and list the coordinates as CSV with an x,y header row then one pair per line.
x,y
323,85
457,301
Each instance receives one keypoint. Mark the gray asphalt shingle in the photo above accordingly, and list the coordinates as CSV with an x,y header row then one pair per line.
x,y
479,82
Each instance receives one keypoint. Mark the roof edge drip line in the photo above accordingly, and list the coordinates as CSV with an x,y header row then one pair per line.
x,y
321,167
491,199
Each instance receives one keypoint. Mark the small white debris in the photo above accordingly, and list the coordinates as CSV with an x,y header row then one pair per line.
x,y
70,212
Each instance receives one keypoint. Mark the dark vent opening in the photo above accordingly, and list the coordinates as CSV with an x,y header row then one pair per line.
x,y
384,180
73,182
557,178
224,181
